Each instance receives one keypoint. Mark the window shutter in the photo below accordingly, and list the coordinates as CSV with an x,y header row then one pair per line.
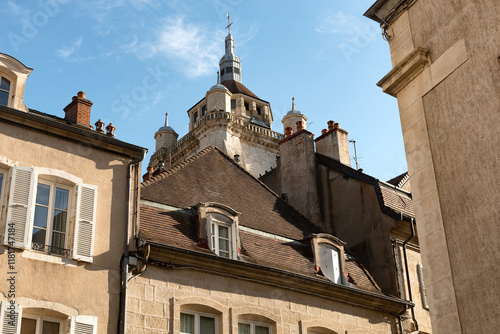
x,y
234,241
329,264
83,245
210,235
20,209
83,324
10,315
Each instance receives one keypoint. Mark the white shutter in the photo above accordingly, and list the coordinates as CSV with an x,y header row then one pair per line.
x,y
10,318
234,241
83,324
83,245
423,292
329,264
210,235
20,210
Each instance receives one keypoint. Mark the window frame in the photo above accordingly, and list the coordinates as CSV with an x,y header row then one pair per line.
x,y
255,323
39,322
9,95
215,225
322,241
197,315
50,218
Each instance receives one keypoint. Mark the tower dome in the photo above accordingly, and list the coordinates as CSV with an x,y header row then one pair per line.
x,y
292,117
165,136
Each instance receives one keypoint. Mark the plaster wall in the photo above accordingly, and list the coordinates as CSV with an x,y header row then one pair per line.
x,y
62,284
157,297
447,115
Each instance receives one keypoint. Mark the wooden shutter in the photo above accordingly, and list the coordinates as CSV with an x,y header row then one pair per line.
x,y
20,210
83,245
10,318
83,324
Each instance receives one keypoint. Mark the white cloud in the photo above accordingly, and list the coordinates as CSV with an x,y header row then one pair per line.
x,y
70,52
9,7
195,50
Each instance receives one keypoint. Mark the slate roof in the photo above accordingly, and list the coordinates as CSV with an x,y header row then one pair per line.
x,y
211,176
179,229
236,87
392,200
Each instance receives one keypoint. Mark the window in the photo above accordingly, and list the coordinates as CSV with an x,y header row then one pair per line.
x,y
4,91
236,70
39,211
229,70
51,218
233,103
259,111
195,117
40,326
198,323
248,327
203,110
221,238
330,262
49,323
247,106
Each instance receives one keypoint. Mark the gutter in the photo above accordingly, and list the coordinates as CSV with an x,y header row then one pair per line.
x,y
124,261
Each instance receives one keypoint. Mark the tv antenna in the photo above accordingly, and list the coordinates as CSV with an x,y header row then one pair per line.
x,y
355,154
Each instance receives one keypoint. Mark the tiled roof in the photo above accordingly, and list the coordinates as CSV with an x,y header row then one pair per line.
x,y
211,176
396,200
179,229
236,87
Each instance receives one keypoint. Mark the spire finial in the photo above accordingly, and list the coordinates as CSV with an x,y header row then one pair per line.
x,y
293,103
166,119
228,25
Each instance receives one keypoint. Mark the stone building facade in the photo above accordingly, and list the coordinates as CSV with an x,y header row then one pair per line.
x,y
63,218
271,270
446,77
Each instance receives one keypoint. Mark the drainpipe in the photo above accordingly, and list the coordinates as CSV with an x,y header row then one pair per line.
x,y
412,228
125,257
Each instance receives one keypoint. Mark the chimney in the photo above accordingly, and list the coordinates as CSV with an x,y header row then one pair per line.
x,y
334,143
298,174
300,125
148,175
78,111
288,131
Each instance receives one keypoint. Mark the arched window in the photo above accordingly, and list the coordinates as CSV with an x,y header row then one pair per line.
x,y
255,324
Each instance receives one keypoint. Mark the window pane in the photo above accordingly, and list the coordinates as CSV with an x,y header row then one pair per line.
x,y
243,329
5,84
187,323
58,240
38,236
60,218
223,231
50,327
4,98
261,330
223,245
233,104
41,213
42,194
61,199
207,325
1,182
28,326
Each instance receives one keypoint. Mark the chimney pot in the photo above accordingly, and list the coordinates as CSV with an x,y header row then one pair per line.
x,y
300,125
110,130
81,94
288,131
150,169
330,125
99,126
324,131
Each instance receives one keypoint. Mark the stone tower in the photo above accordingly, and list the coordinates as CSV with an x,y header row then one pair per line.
x,y
229,116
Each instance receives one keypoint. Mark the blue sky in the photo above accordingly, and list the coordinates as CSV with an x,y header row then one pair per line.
x,y
137,59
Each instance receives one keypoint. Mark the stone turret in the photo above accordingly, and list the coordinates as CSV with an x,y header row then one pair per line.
x,y
165,136
292,117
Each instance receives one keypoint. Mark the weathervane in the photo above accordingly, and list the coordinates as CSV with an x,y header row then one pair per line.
x,y
228,25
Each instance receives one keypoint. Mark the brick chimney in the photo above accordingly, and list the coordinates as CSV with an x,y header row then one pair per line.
x,y
78,110
334,143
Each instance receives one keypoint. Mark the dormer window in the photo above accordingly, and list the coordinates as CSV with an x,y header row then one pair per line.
x,y
219,229
4,91
328,252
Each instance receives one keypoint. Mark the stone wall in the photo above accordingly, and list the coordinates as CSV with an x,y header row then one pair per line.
x,y
156,298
